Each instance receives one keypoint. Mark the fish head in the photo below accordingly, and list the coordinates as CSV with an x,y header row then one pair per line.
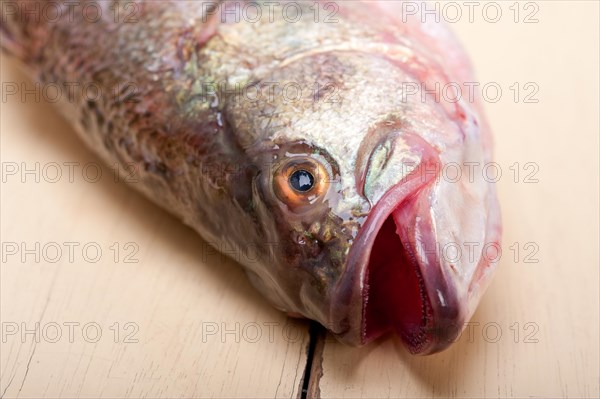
x,y
348,193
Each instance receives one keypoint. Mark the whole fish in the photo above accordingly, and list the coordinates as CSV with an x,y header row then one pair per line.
x,y
318,139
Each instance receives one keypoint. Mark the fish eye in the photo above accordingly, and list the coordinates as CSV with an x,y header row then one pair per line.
x,y
300,182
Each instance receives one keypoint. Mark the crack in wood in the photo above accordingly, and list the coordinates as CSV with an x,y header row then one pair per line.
x,y
314,359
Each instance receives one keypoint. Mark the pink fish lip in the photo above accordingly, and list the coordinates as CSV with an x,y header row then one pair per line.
x,y
388,287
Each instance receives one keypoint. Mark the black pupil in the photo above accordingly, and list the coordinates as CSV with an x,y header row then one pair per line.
x,y
302,180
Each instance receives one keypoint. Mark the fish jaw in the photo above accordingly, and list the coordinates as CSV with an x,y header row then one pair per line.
x,y
406,289
396,279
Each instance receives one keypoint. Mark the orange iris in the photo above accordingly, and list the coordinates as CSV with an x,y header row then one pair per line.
x,y
300,183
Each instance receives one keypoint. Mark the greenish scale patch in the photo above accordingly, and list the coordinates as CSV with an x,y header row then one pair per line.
x,y
196,99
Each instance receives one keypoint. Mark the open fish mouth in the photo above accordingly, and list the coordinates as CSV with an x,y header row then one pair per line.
x,y
394,294
396,277
405,289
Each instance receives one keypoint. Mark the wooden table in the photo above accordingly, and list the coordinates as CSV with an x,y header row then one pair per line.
x,y
124,301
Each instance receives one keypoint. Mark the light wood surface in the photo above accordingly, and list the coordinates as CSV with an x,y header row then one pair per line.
x,y
190,325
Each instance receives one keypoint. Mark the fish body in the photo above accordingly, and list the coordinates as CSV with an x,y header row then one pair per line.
x,y
303,140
